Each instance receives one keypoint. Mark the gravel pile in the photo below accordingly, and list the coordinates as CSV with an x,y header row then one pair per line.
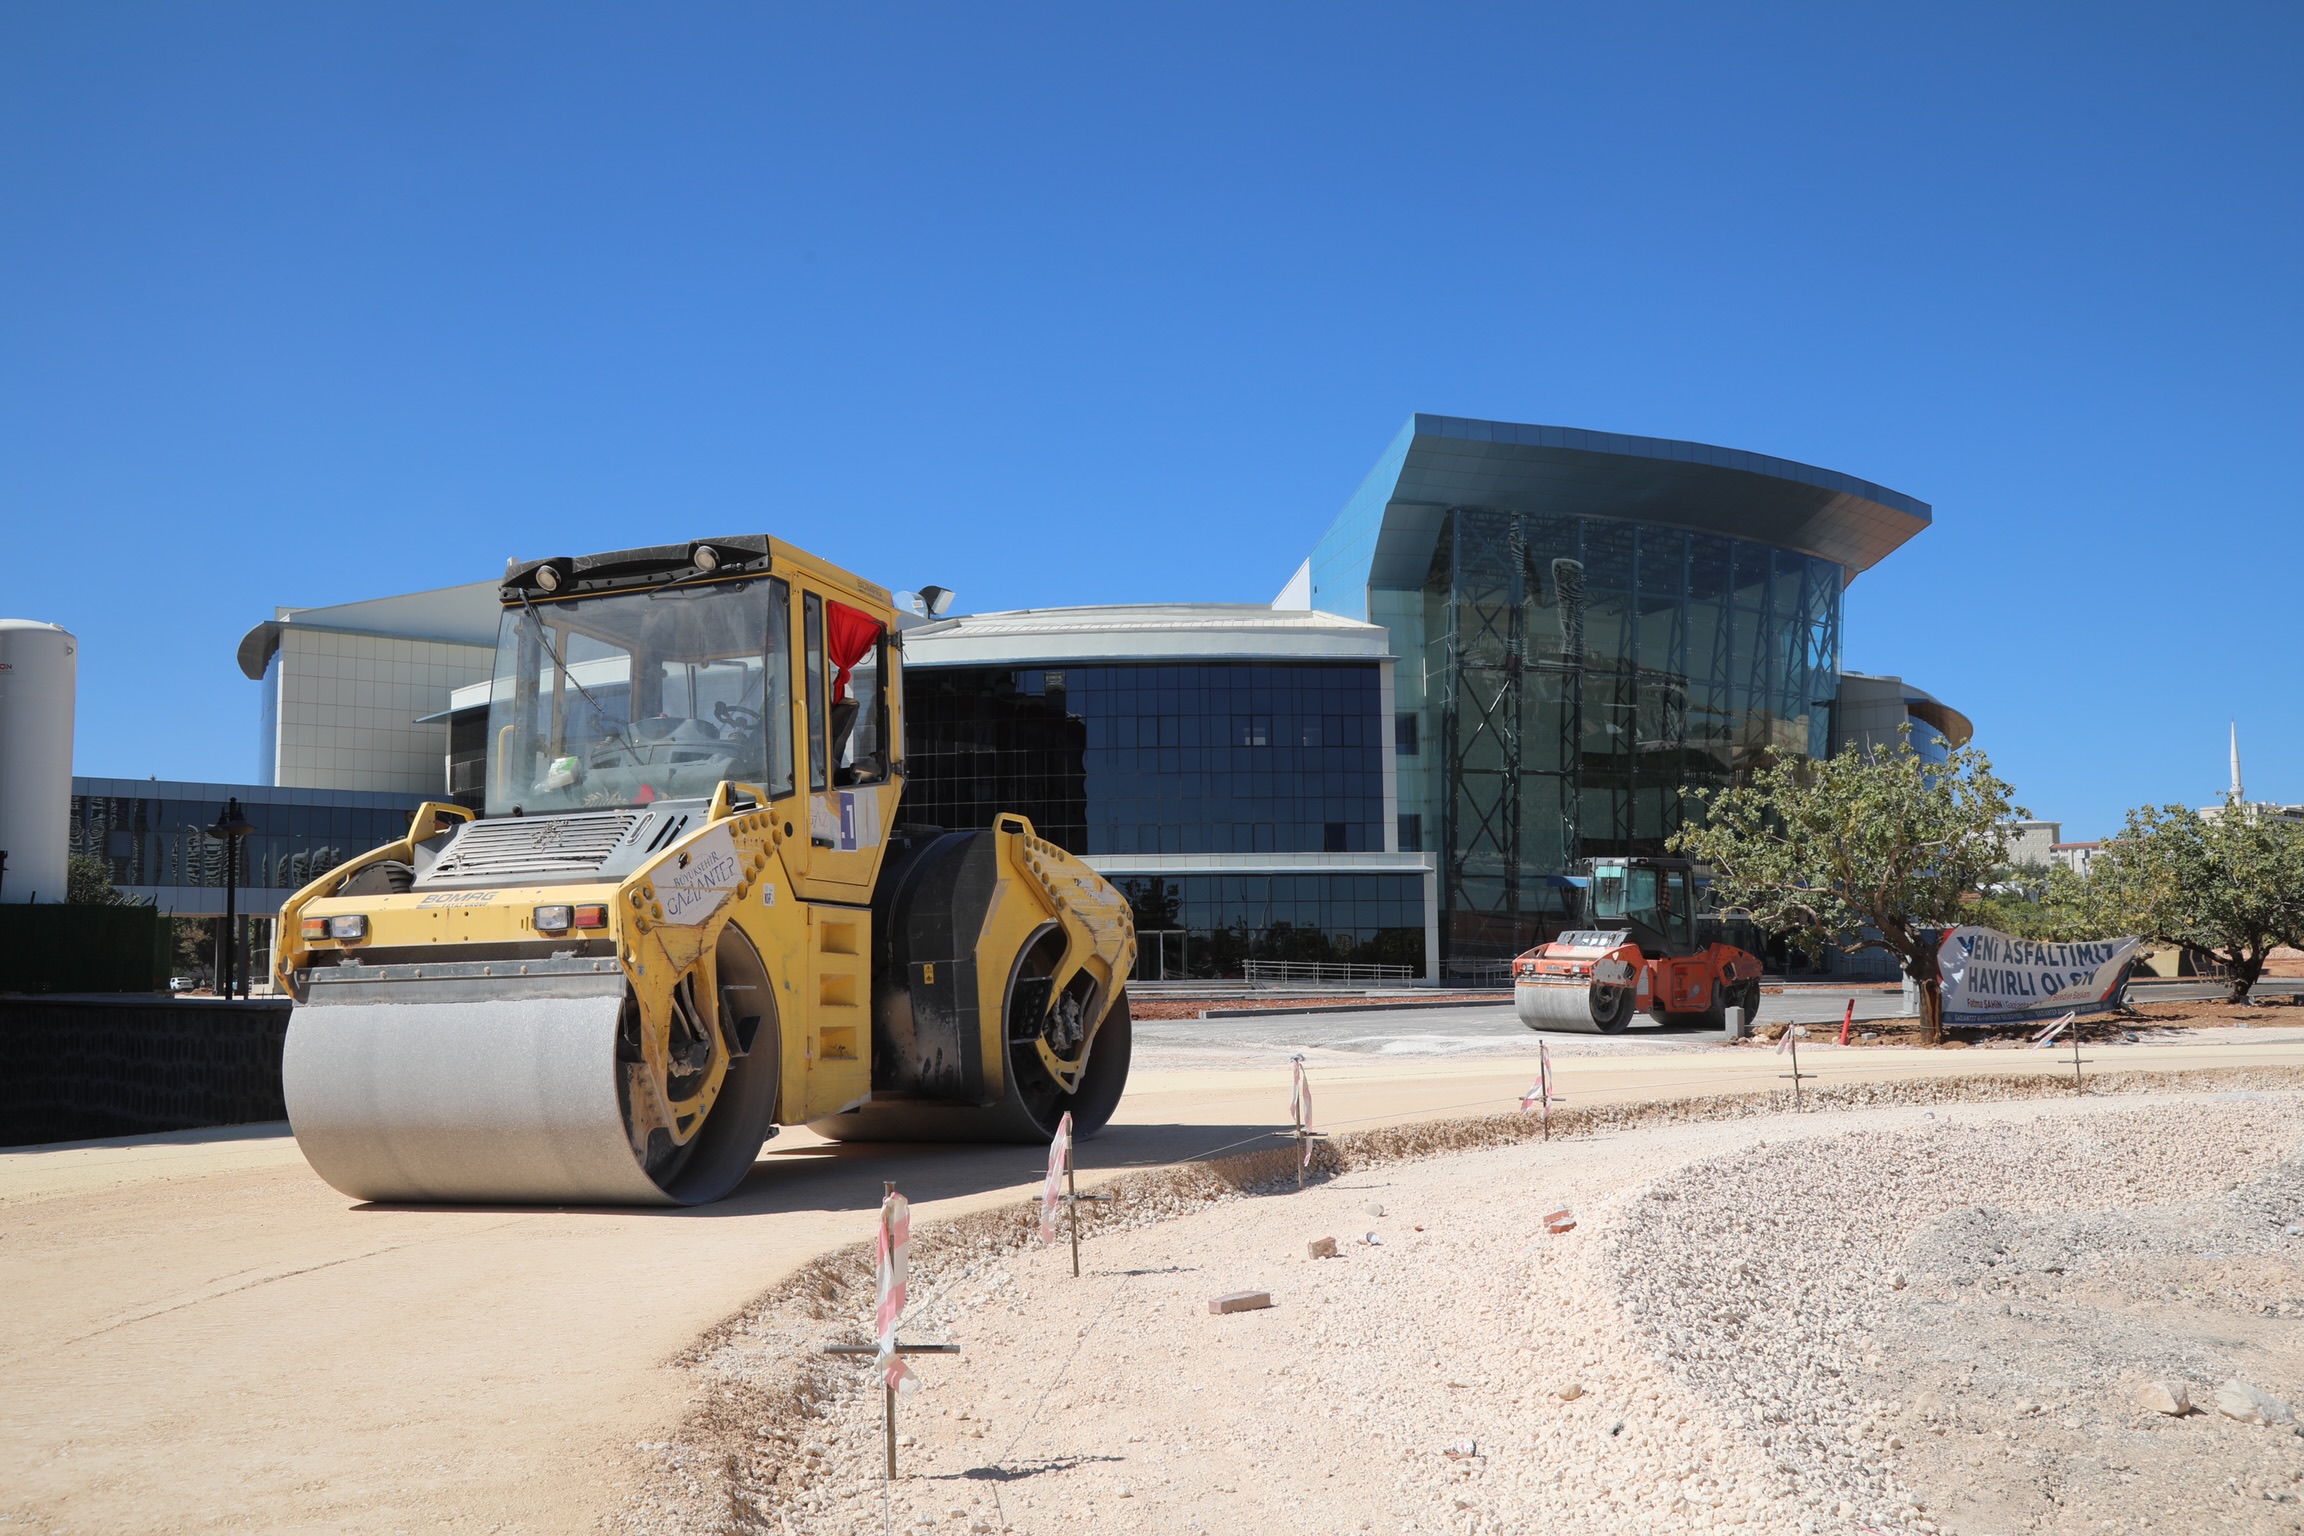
x,y
1945,1328
1721,1342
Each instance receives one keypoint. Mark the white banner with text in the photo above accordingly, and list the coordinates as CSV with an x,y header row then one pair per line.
x,y
1990,978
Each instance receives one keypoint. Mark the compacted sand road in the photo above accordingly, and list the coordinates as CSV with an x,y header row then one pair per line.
x,y
198,1334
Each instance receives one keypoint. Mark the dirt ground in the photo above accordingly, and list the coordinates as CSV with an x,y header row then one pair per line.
x,y
1896,1319
199,1335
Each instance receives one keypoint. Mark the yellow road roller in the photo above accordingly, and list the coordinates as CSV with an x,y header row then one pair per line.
x,y
687,916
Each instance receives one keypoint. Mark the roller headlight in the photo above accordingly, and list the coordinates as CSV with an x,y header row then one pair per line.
x,y
349,925
558,919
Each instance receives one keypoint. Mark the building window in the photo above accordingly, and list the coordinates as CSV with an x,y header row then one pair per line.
x,y
1207,925
148,842
1143,758
1411,832
1404,735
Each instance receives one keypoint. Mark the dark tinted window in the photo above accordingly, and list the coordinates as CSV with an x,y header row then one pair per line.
x,y
1134,759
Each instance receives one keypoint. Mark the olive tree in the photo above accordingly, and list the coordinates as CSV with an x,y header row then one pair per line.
x,y
2056,906
2228,882
88,883
1864,850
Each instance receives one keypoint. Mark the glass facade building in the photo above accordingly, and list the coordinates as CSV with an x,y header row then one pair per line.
x,y
1515,648
1580,678
1591,629
1146,757
1231,770
152,836
1215,924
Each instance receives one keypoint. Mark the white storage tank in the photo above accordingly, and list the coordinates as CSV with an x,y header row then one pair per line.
x,y
37,672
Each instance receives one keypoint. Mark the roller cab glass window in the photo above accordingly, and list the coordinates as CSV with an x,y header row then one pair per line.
x,y
1618,892
858,648
1658,900
634,697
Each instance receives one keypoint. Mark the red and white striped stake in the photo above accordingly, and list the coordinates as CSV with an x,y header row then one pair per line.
x,y
1052,1193
891,1266
1060,1168
1300,1106
2047,1037
1790,1041
1539,1095
1847,1020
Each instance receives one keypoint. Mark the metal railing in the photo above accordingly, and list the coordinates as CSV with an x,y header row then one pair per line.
x,y
1274,972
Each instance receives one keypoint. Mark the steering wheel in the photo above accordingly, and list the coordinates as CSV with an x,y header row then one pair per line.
x,y
736,716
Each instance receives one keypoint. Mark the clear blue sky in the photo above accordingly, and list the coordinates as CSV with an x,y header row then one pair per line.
x,y
301,304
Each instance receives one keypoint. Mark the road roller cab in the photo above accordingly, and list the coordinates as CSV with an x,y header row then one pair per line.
x,y
685,914
1639,954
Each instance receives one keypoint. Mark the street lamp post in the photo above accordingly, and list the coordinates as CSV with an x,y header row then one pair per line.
x,y
231,826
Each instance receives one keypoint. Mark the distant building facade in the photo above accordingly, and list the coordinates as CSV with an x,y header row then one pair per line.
x,y
352,693
1873,714
1231,768
152,837
1589,626
1517,647
2080,858
2032,843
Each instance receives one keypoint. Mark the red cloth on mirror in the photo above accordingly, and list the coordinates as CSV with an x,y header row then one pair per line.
x,y
849,636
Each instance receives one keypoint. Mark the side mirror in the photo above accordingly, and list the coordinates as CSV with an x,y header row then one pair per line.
x,y
935,602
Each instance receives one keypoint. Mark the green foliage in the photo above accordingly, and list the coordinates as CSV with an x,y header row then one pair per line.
x,y
1866,850
2230,883
87,883
192,946
2053,905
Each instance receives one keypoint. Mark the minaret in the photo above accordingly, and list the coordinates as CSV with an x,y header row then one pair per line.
x,y
2236,762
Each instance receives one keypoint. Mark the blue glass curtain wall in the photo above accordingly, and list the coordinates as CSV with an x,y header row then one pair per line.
x,y
1213,757
165,842
1207,925
1581,676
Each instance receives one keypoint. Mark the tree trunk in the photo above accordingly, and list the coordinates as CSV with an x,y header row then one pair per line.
x,y
1928,983
2243,970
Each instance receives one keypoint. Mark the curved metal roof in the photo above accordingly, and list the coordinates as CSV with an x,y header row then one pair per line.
x,y
1385,534
1918,702
1142,632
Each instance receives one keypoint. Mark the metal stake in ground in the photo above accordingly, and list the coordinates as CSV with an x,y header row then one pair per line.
x,y
2047,1037
1060,1162
1791,1042
894,1261
1540,1096
1300,1106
